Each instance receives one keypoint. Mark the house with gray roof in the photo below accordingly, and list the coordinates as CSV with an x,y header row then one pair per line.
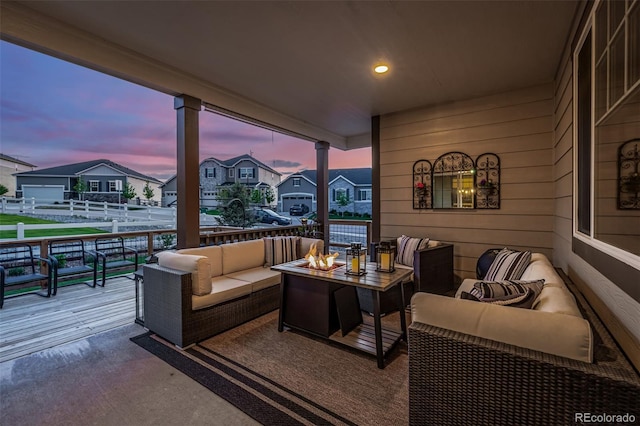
x,y
351,184
215,174
104,179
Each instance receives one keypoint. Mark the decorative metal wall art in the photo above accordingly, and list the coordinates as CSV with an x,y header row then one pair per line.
x,y
629,175
487,181
456,181
422,172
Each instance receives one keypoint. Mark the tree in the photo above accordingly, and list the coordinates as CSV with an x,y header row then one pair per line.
x,y
80,187
256,196
234,203
128,191
343,201
269,196
147,191
3,189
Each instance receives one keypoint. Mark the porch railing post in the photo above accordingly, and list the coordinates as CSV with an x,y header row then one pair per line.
x,y
114,226
86,208
71,206
126,212
20,231
4,204
105,210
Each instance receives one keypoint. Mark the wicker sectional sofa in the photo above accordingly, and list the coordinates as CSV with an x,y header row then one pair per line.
x,y
477,363
195,293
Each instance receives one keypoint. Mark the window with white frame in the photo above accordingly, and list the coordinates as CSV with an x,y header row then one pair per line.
x,y
364,194
210,172
606,95
246,173
231,173
113,186
94,186
296,182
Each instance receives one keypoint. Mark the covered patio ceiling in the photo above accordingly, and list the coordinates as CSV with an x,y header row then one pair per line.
x,y
305,66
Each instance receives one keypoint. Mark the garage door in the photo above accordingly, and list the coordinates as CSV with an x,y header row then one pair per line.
x,y
44,193
289,200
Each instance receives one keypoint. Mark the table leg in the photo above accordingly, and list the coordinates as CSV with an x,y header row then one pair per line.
x,y
378,328
282,306
403,319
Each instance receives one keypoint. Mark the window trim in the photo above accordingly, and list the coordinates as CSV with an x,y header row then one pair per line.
x,y
97,184
245,175
617,253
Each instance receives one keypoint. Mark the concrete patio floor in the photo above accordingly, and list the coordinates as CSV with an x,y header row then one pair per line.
x,y
99,378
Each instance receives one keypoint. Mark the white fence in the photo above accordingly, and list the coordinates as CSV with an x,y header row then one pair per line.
x,y
113,216
88,209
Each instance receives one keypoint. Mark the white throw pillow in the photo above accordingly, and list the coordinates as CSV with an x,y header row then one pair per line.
x,y
407,246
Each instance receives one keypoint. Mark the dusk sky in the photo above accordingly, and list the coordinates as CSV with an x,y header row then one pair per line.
x,y
53,112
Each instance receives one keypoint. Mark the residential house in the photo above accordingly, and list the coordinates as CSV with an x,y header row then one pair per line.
x,y
104,181
8,167
215,173
353,184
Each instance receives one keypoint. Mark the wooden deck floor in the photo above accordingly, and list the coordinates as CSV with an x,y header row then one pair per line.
x,y
32,323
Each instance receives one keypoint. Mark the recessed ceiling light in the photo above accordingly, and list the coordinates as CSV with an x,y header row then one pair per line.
x,y
381,69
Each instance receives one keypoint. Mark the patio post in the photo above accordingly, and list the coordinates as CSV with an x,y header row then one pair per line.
x,y
322,189
188,176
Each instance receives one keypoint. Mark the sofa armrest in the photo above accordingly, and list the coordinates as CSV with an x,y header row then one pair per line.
x,y
433,269
167,300
552,333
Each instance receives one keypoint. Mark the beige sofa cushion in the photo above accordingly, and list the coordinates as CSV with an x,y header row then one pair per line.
x,y
305,245
199,266
242,255
214,253
557,300
258,277
540,267
562,335
223,290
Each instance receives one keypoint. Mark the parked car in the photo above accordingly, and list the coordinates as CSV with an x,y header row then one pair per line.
x,y
298,209
269,216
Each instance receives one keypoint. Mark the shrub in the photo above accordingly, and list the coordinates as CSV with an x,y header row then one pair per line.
x,y
62,260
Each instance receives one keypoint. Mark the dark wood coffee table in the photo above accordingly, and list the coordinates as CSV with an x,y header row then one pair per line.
x,y
308,303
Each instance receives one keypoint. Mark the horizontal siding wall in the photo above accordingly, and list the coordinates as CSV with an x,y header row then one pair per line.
x,y
518,127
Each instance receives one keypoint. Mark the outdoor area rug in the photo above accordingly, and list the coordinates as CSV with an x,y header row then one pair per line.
x,y
289,378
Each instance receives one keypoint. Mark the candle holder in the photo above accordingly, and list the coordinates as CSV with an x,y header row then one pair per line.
x,y
356,260
385,257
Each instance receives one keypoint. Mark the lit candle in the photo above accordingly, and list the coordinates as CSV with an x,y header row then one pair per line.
x,y
385,260
355,264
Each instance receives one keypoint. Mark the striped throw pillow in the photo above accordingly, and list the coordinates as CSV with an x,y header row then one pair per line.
x,y
508,265
501,289
279,250
524,300
406,247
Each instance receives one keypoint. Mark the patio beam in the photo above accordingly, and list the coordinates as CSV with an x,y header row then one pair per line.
x,y
188,170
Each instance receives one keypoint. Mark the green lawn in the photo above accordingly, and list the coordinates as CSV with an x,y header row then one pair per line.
x,y
12,219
